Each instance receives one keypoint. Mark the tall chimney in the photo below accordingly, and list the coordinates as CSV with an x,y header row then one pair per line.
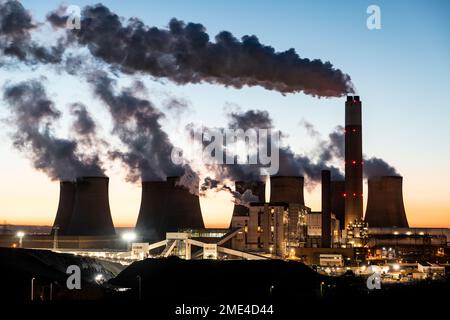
x,y
153,208
353,161
338,201
326,209
287,189
183,208
91,214
256,187
385,207
65,207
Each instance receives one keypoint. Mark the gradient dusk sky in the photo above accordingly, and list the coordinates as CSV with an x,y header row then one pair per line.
x,y
401,72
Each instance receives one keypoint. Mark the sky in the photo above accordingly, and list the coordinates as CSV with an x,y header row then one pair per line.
x,y
401,72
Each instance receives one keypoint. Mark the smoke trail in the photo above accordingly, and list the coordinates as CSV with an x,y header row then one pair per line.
x,y
136,123
184,54
335,149
33,115
378,167
16,25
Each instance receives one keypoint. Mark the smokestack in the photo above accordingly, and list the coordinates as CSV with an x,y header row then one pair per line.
x,y
65,207
183,208
326,209
338,201
258,190
153,205
353,161
385,203
91,214
287,189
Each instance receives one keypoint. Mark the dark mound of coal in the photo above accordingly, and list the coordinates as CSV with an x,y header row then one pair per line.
x,y
19,266
216,279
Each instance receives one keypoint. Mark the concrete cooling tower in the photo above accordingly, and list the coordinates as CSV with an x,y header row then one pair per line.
x,y
183,207
152,210
65,207
167,206
385,203
91,214
258,190
287,189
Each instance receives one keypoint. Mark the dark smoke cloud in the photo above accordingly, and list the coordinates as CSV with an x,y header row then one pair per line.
x,y
378,167
184,54
291,164
16,24
137,124
33,116
335,149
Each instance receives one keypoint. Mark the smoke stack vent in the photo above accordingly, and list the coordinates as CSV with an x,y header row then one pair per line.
x,y
326,209
353,161
385,207
91,214
65,207
287,189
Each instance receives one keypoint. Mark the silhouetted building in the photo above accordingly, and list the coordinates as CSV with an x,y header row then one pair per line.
x,y
385,203
91,213
338,201
326,209
167,206
65,207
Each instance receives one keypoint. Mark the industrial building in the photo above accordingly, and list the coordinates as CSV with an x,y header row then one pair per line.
x,y
281,227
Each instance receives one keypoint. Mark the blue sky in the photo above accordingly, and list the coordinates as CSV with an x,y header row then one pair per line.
x,y
401,72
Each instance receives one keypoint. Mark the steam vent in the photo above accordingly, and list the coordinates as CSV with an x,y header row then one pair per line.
x,y
385,203
287,189
353,161
65,207
167,206
91,215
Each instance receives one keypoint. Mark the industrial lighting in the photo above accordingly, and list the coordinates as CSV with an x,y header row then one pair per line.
x,y
20,235
99,277
129,236
396,232
396,267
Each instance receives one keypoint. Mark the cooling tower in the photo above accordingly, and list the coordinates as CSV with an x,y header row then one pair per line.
x,y
338,201
258,190
183,208
287,189
385,203
65,207
91,214
353,161
152,210
167,206
326,209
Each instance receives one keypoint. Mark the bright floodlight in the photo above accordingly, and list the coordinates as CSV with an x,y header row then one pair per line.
x,y
129,236
98,277
396,267
20,234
